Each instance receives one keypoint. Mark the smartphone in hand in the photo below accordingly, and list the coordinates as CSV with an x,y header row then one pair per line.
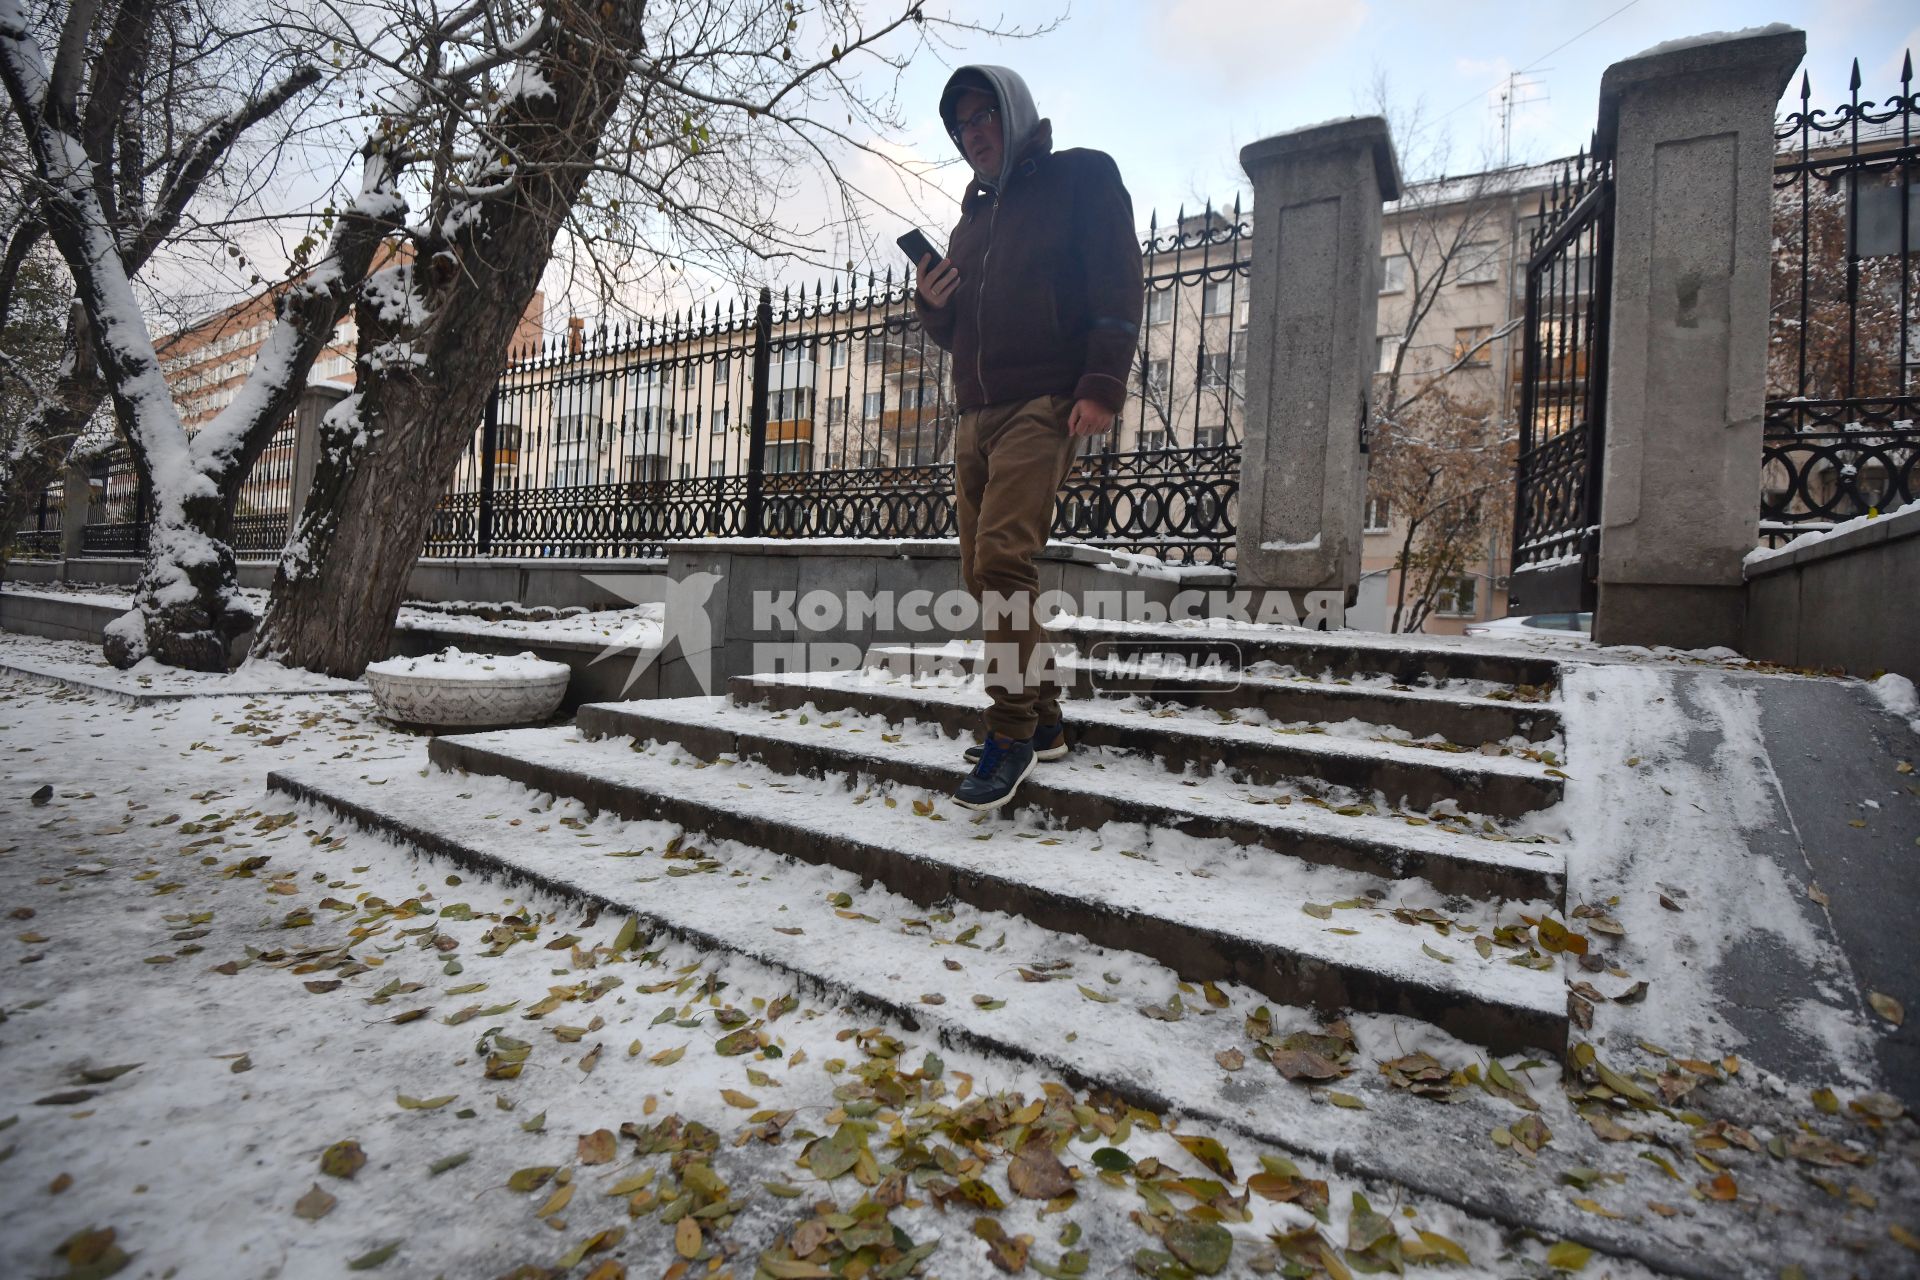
x,y
916,246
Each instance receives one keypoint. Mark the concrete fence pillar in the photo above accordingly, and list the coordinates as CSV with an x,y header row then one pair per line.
x,y
1313,298
307,413
76,506
1690,131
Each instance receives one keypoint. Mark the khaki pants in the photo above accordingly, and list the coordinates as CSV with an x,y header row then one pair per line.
x,y
1009,462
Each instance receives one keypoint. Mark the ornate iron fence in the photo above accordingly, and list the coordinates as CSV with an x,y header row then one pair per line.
x,y
829,414
1563,392
263,512
116,516
40,537
1841,438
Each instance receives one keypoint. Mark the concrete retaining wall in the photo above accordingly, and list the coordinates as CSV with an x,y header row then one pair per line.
x,y
555,582
710,588
1847,601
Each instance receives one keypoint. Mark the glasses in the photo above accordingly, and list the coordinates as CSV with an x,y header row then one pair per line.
x,y
978,120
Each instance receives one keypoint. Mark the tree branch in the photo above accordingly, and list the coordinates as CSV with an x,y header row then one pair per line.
x,y
199,156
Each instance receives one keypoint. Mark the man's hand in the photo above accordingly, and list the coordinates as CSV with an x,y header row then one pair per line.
x,y
1089,418
938,280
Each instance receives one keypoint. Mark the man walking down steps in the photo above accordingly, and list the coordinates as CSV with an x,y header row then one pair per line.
x,y
1038,300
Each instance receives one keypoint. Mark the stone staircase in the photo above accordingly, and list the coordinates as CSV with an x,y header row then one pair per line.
x,y
1293,814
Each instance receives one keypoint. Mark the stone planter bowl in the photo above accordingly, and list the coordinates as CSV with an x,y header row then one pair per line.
x,y
452,689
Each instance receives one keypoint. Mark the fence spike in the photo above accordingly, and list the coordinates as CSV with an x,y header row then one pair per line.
x,y
1906,68
1806,89
1854,83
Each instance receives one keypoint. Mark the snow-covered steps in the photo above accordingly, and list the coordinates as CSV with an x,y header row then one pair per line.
x,y
1321,654
1421,712
1095,787
1406,774
1205,908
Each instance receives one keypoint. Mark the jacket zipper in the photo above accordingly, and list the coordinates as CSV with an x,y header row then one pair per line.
x,y
979,300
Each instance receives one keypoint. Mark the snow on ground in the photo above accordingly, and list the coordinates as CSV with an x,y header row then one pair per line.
x,y
277,986
81,663
454,665
209,990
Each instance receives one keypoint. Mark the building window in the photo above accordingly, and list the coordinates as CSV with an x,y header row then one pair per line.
x,y
792,403
1471,348
718,467
720,420
1378,515
722,370
1479,263
1385,348
1456,598
688,374
646,469
1216,298
1393,273
686,471
876,350
870,405
688,421
1241,311
837,353
1209,437
1160,306
836,405
792,456
572,428
1159,373
1215,370
1153,439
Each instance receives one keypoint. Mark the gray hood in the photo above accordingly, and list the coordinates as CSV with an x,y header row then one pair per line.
x,y
1019,120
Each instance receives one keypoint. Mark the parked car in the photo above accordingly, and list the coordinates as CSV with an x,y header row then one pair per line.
x,y
1557,626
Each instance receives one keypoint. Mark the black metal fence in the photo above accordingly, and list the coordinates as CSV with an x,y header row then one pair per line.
x,y
116,517
829,414
39,538
826,413
262,515
1563,391
1841,436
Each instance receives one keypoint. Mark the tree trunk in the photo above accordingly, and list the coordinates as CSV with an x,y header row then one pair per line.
x,y
433,336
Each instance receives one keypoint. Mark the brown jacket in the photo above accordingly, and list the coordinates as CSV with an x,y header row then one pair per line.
x,y
1050,292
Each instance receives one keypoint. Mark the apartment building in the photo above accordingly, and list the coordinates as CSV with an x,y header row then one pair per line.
x,y
1453,288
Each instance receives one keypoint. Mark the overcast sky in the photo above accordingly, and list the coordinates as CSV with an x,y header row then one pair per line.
x,y
1174,88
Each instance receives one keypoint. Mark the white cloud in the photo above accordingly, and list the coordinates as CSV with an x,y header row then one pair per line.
x,y
1235,42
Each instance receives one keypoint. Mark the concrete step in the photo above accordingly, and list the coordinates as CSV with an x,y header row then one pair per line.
x,y
1500,787
1206,909
1297,699
1094,787
1320,654
774,912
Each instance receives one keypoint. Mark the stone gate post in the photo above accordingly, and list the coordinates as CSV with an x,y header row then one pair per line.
x,y
1690,130
1313,298
307,413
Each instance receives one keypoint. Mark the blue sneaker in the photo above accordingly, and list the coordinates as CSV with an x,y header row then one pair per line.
x,y
1049,743
1004,765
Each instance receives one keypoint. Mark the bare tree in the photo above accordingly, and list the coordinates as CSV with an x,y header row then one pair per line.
x,y
120,78
1445,469
663,132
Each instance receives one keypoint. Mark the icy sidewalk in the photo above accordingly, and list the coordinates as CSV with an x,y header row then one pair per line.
x,y
102,878
209,993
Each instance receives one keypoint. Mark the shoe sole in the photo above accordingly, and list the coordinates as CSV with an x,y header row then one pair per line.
x,y
1051,753
990,805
